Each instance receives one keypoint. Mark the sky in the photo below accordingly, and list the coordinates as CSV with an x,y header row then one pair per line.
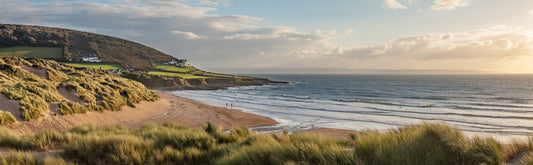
x,y
487,36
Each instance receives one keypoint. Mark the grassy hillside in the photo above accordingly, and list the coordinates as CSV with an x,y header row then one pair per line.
x,y
429,144
38,84
32,52
173,68
70,46
77,44
94,65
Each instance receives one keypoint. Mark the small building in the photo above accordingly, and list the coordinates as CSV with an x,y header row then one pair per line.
x,y
182,63
91,58
172,62
178,62
117,71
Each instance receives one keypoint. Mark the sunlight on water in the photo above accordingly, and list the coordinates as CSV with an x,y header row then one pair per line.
x,y
497,105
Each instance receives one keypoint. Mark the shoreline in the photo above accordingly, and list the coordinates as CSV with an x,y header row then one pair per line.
x,y
168,108
212,86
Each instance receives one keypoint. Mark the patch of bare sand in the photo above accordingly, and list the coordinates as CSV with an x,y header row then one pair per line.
x,y
71,95
167,109
9,105
39,72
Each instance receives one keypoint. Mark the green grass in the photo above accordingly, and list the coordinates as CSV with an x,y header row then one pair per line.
x,y
94,65
222,75
35,52
171,143
186,69
185,76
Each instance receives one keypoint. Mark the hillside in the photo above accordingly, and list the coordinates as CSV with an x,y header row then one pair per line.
x,y
31,89
76,44
145,64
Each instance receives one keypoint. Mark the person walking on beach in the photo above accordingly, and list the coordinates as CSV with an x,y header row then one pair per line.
x,y
231,105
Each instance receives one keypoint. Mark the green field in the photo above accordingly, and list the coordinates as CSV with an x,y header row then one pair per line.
x,y
28,52
94,65
173,68
185,76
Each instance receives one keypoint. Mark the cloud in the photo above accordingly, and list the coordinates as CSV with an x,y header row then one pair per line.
x,y
447,4
224,3
234,41
187,35
347,31
392,4
531,12
484,49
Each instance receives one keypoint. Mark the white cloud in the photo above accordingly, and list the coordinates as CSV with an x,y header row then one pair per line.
x,y
483,49
234,41
531,12
447,4
186,35
392,4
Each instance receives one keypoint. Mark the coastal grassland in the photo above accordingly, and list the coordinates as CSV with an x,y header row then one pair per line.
x,y
32,52
94,65
91,89
223,75
173,68
172,74
170,144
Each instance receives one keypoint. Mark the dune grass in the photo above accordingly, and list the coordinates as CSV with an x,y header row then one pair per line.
x,y
32,52
97,89
94,65
170,144
6,118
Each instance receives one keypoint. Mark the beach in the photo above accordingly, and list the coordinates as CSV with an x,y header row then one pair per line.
x,y
168,108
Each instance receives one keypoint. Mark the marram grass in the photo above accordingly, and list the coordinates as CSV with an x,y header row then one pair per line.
x,y
174,144
96,90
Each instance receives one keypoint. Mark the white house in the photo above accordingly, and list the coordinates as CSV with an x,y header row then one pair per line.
x,y
178,62
91,58
172,62
182,63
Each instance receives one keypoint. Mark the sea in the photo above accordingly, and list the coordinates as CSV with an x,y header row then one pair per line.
x,y
500,106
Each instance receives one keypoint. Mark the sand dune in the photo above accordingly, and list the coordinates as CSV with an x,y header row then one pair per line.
x,y
9,105
167,109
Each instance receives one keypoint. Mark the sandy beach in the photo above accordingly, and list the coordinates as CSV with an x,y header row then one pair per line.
x,y
167,109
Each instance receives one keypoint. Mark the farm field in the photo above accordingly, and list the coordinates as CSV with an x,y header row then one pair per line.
x,y
94,65
29,52
187,69
185,76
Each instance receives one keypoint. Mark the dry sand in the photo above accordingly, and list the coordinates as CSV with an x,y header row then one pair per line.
x,y
167,109
9,105
43,73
